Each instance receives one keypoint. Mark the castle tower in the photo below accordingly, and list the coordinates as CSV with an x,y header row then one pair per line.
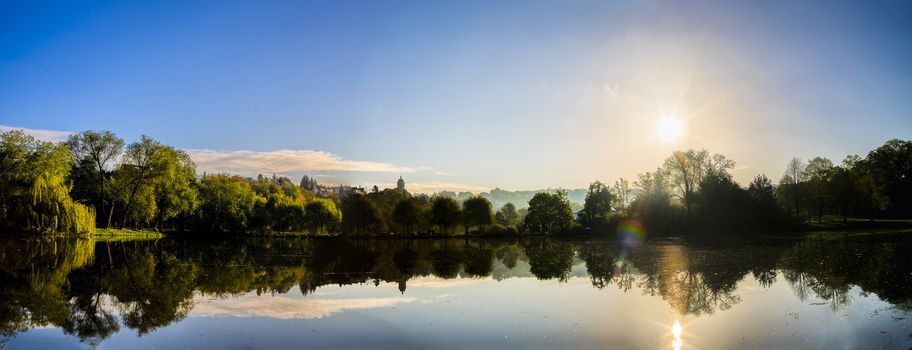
x,y
400,185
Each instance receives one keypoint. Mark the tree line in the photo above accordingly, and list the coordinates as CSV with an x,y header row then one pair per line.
x,y
95,179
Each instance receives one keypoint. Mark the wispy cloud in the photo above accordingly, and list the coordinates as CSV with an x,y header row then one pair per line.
x,y
283,161
41,134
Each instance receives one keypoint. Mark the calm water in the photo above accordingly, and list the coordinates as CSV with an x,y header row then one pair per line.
x,y
458,294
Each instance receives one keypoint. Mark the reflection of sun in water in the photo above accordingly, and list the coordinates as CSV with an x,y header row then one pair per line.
x,y
676,332
669,128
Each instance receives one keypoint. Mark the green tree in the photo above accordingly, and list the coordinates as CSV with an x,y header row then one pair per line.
x,y
308,183
477,211
141,167
175,193
322,215
226,203
95,155
445,213
33,192
549,212
597,205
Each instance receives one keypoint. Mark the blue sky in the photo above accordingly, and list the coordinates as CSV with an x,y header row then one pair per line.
x,y
464,95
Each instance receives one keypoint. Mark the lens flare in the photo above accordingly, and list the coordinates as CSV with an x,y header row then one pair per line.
x,y
631,233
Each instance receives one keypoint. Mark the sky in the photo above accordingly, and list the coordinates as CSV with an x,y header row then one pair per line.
x,y
467,95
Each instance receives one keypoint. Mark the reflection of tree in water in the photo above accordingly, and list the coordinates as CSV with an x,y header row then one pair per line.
x,y
147,285
600,263
550,259
33,278
509,254
479,262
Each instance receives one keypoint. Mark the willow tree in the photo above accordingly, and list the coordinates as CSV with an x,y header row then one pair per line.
x,y
34,196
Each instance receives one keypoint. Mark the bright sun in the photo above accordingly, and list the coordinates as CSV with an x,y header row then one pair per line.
x,y
669,128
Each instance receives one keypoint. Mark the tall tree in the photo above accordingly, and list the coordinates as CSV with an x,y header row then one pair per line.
x,y
321,215
762,193
818,172
407,214
623,196
140,168
890,165
685,171
98,152
792,181
361,215
598,202
477,211
175,195
507,215
445,213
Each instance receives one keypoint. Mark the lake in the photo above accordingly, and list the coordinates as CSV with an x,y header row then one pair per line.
x,y
265,293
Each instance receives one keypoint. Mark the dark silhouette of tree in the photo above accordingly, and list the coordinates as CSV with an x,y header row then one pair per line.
x,y
597,205
723,204
685,171
818,173
407,214
445,213
791,184
360,215
477,211
890,165
762,193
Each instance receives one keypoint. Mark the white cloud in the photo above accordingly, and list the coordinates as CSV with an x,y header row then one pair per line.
x,y
283,161
41,134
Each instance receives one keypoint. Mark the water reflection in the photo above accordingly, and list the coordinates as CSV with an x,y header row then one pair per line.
x,y
93,289
676,332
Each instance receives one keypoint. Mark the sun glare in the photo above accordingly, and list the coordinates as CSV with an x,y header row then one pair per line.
x,y
669,128
676,331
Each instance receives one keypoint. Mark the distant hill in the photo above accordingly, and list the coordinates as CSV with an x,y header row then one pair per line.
x,y
520,199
